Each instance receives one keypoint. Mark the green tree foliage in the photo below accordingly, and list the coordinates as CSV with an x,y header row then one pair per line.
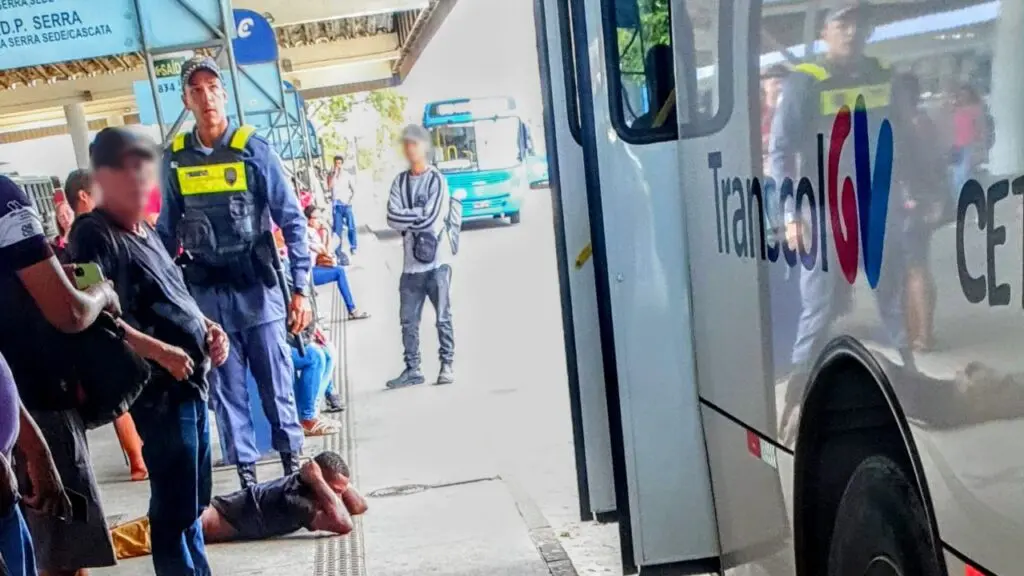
x,y
339,117
634,42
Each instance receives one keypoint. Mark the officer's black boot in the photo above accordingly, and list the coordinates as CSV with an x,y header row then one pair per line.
x,y
290,462
247,475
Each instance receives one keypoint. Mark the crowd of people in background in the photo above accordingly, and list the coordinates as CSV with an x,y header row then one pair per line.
x,y
163,301
167,288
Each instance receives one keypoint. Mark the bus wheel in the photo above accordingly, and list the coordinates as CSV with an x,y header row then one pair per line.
x,y
515,218
881,528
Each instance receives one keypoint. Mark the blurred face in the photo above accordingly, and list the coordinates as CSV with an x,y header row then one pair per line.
x,y
772,90
845,36
314,217
338,162
205,98
126,188
415,151
65,216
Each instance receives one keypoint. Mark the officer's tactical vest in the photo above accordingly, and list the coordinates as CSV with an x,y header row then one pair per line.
x,y
871,80
221,223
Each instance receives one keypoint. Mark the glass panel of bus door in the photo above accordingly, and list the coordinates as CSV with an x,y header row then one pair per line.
x,y
625,78
736,288
576,268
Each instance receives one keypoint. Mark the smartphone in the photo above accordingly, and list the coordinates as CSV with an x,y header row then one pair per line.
x,y
88,275
79,506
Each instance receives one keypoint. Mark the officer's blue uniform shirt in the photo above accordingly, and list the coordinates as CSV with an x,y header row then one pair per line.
x,y
240,310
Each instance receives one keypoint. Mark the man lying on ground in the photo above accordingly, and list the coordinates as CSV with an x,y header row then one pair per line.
x,y
317,497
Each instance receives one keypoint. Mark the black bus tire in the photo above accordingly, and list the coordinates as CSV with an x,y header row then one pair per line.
x,y
515,218
881,528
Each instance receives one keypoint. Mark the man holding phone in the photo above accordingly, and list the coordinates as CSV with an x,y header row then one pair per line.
x,y
163,324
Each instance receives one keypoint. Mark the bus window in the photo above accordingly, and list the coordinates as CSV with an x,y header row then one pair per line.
x,y
642,68
485,144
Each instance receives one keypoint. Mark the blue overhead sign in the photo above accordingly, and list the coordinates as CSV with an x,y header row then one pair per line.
x,y
255,42
36,32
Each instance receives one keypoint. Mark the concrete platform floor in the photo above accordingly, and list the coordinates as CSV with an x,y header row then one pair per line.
x,y
495,449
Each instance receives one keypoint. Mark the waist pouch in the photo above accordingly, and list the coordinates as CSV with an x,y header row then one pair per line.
x,y
424,247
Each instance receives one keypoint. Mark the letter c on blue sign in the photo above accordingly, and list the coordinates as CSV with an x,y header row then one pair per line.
x,y
254,40
245,28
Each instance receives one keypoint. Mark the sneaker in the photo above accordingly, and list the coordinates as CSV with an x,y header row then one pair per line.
x,y
447,375
247,475
290,462
334,404
409,377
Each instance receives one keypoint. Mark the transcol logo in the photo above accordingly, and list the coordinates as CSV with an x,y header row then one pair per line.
x,y
857,206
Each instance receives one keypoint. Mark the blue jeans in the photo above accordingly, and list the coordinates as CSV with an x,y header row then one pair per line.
x,y
16,545
345,218
176,447
961,170
327,274
312,377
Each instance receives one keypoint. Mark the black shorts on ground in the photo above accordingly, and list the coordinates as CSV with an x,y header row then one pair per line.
x,y
269,509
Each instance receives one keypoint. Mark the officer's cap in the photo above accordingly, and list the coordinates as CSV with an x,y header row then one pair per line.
x,y
415,133
836,9
193,65
111,145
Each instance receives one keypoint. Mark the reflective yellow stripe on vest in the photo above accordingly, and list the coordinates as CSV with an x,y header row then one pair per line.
x,y
819,73
875,96
213,179
241,137
179,143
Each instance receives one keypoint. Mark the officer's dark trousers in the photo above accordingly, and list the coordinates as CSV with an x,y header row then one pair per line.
x,y
262,350
175,431
414,289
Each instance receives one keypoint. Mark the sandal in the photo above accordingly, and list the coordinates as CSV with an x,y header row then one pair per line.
x,y
319,427
358,315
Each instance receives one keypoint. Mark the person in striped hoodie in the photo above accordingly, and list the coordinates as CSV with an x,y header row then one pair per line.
x,y
418,207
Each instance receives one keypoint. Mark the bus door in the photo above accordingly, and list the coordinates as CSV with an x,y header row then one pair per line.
x,y
624,60
576,269
740,276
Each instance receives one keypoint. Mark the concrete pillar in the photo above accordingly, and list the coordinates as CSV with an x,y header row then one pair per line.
x,y
1007,156
78,126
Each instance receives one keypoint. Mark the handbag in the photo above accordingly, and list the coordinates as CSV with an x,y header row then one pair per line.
x,y
111,375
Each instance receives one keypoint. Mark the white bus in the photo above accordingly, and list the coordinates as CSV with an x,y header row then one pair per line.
x,y
794,325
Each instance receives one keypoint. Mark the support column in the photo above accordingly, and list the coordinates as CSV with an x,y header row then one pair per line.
x,y
1007,156
78,126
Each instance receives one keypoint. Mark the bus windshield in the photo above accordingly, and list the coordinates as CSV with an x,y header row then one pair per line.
x,y
491,144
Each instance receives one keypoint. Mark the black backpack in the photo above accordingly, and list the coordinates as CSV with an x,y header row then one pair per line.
x,y
110,373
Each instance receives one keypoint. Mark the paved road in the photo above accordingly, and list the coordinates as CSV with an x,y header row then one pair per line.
x,y
507,416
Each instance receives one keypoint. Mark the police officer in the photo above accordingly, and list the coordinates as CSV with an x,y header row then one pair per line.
x,y
222,186
811,97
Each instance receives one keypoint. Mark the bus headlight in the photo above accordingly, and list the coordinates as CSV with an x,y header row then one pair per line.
x,y
459,194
